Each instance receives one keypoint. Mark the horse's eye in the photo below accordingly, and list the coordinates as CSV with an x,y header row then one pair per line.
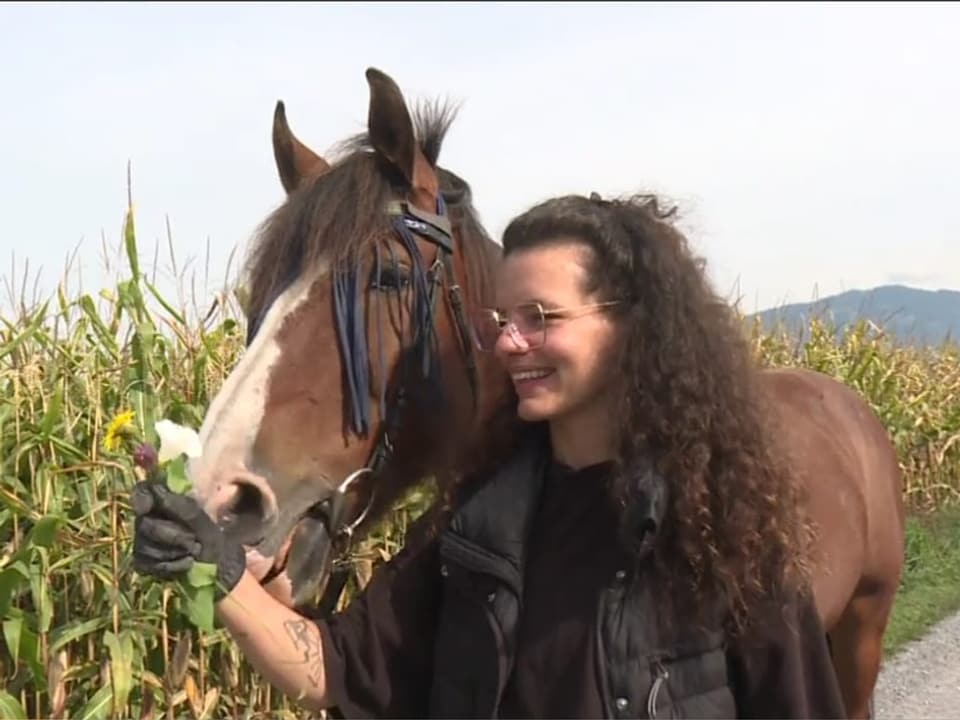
x,y
391,277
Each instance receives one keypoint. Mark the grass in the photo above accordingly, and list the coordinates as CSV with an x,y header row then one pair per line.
x,y
85,637
930,589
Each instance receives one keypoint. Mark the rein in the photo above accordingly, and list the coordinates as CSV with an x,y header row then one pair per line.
x,y
407,221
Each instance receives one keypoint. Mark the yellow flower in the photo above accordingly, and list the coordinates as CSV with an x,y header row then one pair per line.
x,y
116,430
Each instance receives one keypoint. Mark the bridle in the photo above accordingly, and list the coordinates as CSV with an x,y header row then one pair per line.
x,y
407,221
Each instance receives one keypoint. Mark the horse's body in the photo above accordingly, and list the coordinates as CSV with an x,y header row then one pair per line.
x,y
848,466
277,441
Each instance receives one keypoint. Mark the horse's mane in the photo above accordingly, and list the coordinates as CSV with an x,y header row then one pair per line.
x,y
341,212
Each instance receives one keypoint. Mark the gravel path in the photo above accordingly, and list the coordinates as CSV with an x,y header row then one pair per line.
x,y
923,680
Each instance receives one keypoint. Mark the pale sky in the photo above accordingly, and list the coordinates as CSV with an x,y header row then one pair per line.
x,y
812,147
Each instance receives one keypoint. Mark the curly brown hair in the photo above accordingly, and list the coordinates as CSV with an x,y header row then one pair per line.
x,y
733,524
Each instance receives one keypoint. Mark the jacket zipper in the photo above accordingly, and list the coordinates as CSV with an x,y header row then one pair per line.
x,y
661,677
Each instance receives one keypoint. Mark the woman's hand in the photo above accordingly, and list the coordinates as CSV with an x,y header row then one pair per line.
x,y
172,532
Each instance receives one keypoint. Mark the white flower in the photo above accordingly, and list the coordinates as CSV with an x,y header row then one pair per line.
x,y
175,440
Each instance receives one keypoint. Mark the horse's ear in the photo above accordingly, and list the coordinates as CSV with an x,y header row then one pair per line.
x,y
295,161
392,135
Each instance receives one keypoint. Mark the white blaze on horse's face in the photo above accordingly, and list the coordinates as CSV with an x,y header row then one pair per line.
x,y
223,473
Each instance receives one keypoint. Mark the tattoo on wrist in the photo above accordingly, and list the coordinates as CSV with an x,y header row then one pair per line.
x,y
307,643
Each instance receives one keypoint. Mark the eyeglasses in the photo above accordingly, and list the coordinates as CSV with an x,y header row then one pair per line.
x,y
527,323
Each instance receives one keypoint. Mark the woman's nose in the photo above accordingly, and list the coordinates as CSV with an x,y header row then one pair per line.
x,y
511,340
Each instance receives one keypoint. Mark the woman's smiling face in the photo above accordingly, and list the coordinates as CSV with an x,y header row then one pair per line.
x,y
567,370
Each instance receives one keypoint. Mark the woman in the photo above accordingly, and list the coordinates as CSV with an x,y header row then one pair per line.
x,y
639,549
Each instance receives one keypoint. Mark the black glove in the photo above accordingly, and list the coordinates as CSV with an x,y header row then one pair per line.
x,y
171,532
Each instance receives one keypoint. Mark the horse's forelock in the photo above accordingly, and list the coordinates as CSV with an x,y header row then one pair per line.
x,y
341,211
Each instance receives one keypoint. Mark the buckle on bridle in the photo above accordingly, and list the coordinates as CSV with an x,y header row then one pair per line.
x,y
339,498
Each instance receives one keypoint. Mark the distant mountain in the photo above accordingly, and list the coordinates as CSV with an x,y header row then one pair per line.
x,y
910,315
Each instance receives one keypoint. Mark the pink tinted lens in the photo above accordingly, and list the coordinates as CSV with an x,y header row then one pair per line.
x,y
487,327
529,321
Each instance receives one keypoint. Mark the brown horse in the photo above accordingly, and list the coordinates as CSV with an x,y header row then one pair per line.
x,y
360,378
850,470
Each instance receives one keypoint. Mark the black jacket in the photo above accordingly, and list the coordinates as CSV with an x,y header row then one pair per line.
x,y
646,671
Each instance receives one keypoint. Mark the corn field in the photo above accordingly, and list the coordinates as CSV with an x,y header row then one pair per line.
x,y
85,637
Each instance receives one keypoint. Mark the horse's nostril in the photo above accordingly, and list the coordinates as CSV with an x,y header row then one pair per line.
x,y
248,502
245,514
